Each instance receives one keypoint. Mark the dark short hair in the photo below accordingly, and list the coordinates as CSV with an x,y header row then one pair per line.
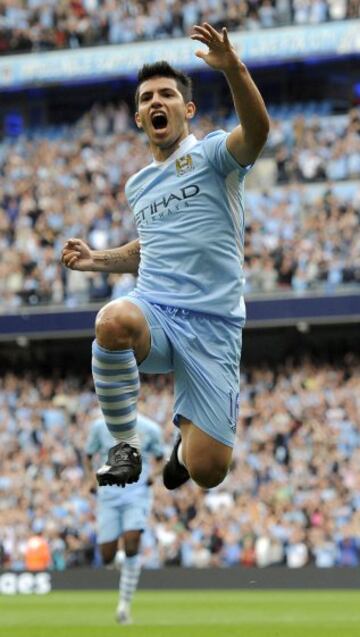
x,y
163,69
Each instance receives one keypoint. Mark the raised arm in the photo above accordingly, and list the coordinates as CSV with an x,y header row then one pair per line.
x,y
246,140
77,255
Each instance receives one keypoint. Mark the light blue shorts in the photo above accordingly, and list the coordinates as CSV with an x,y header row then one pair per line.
x,y
113,520
204,352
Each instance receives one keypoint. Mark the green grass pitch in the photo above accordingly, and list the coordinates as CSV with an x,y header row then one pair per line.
x,y
184,614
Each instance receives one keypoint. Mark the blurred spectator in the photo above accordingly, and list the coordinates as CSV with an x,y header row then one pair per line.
x,y
323,548
37,553
248,553
299,235
42,25
349,551
297,554
2,555
292,496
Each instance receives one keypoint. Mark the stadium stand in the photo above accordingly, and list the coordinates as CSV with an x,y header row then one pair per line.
x,y
69,181
292,497
36,25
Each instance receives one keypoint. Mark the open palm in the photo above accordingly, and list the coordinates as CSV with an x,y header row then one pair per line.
x,y
221,55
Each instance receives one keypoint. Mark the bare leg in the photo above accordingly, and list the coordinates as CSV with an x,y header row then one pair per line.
x,y
206,459
108,551
121,325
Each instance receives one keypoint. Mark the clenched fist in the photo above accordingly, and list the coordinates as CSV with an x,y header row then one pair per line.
x,y
77,255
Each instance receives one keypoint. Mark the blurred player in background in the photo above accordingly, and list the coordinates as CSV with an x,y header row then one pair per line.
x,y
123,513
187,312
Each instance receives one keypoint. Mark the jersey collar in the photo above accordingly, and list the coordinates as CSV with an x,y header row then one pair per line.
x,y
184,147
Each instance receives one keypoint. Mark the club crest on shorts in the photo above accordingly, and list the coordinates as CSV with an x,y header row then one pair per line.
x,y
184,165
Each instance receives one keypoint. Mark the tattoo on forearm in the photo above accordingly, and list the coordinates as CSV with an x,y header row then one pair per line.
x,y
134,251
115,257
121,258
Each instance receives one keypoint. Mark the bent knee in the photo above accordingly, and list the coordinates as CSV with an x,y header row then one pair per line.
x,y
118,325
208,475
108,555
131,550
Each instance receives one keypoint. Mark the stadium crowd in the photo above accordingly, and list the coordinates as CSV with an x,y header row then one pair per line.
x,y
292,496
42,25
70,182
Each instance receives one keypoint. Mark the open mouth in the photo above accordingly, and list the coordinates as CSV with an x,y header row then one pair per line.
x,y
159,121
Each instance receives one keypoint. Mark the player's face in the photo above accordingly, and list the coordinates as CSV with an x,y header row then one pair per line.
x,y
162,112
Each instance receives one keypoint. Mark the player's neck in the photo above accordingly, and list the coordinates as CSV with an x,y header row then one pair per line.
x,y
161,154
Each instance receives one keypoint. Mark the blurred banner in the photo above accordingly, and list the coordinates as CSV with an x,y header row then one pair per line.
x,y
261,47
15,583
285,310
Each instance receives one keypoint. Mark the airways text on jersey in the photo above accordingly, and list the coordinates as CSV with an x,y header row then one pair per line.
x,y
169,204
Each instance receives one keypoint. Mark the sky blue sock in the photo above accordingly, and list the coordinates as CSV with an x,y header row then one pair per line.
x,y
116,380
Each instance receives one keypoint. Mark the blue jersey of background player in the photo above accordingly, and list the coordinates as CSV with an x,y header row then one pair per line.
x,y
124,512
187,314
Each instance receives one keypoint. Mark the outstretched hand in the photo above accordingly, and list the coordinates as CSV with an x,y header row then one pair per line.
x,y
221,54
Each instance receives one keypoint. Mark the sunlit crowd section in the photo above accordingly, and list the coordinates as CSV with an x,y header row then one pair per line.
x,y
44,25
292,496
302,205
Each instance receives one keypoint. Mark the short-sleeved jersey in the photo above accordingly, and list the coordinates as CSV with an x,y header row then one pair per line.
x,y
100,440
189,213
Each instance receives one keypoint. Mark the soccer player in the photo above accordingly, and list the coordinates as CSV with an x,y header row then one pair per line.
x,y
187,312
124,512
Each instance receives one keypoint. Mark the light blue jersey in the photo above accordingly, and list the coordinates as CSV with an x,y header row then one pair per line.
x,y
99,442
189,213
